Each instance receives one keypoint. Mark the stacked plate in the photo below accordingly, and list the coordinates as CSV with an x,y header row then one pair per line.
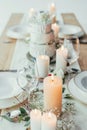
x,y
70,31
78,87
11,93
18,31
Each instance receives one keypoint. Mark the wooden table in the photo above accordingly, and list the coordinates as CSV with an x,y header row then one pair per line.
x,y
7,45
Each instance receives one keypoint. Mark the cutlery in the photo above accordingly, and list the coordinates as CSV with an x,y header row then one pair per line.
x,y
84,41
8,70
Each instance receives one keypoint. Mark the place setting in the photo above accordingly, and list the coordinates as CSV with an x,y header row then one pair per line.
x,y
77,87
10,92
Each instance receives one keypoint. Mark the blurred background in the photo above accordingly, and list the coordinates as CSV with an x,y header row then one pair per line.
x,y
7,7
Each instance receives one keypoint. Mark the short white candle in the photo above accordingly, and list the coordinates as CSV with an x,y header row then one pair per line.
x,y
48,121
31,12
53,94
42,66
35,119
60,60
55,28
52,8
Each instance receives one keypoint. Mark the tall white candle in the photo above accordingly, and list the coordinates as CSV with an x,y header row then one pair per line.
x,y
42,66
55,28
63,51
53,12
48,121
52,8
31,12
61,56
53,94
35,119
60,62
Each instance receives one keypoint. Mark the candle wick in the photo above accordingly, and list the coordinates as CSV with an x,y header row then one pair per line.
x,y
52,79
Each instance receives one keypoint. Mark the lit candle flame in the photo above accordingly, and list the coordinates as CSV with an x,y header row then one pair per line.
x,y
77,41
35,111
31,12
49,115
62,48
52,5
52,8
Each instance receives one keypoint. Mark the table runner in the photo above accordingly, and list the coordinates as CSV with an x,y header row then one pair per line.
x,y
70,18
7,45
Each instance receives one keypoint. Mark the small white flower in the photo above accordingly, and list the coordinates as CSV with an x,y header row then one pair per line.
x,y
15,113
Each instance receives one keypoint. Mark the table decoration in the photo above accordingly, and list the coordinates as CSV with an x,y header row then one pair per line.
x,y
53,12
35,119
31,12
49,121
42,66
60,61
68,109
55,28
52,8
61,58
53,86
42,36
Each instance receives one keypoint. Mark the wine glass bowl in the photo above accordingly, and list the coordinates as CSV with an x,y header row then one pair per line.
x,y
26,81
73,47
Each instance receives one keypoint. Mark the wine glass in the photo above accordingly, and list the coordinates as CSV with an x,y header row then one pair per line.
x,y
73,46
27,82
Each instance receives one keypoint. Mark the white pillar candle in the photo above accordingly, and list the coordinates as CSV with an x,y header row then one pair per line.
x,y
61,56
55,28
53,12
31,12
52,8
35,119
42,66
63,51
49,121
53,94
60,61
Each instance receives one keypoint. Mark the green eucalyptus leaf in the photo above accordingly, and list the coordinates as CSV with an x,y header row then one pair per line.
x,y
27,123
63,90
68,96
27,118
23,111
7,118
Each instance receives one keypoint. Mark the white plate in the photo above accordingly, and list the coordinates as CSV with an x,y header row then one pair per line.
x,y
18,32
81,81
8,85
6,103
70,30
76,92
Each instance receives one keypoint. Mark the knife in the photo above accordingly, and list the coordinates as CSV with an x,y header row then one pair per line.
x,y
8,70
